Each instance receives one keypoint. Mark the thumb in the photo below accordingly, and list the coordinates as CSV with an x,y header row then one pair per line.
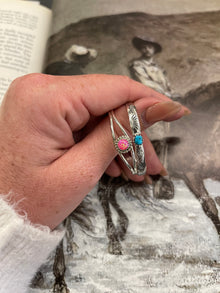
x,y
71,177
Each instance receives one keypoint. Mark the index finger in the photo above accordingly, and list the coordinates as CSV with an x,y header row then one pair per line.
x,y
97,94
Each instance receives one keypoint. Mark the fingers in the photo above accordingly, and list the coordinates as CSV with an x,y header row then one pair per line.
x,y
113,169
159,111
98,94
71,102
93,155
75,173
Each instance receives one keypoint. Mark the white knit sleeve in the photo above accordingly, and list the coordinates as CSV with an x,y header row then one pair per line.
x,y
23,248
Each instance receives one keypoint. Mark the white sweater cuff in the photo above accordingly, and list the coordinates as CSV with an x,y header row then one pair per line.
x,y
23,249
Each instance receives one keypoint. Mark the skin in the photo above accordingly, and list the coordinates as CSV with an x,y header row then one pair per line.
x,y
56,141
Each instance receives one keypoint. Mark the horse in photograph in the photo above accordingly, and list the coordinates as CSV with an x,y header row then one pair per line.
x,y
107,195
196,156
193,150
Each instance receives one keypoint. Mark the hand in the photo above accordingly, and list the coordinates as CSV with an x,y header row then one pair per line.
x,y
41,119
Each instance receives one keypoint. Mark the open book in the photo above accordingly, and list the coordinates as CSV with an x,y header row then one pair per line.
x,y
24,31
129,237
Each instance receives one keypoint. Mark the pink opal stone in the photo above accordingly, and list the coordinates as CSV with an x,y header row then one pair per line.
x,y
123,144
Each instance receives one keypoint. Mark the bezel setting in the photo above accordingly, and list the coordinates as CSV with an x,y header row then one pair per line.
x,y
123,137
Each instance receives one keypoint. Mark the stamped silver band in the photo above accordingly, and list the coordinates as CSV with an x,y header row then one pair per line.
x,y
124,144
137,139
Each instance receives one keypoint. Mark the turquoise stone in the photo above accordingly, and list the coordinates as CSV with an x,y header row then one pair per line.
x,y
138,139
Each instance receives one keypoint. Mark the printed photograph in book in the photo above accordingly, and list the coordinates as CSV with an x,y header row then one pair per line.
x,y
137,237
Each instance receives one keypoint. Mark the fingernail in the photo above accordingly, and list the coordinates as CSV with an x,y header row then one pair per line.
x,y
148,180
124,176
187,112
161,111
163,172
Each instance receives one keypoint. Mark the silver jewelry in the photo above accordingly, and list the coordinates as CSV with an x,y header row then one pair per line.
x,y
124,144
137,138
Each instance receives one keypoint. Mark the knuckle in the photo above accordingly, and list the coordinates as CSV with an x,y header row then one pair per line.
x,y
30,81
28,78
25,90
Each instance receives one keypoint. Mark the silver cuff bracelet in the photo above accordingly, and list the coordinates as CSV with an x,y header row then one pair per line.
x,y
124,144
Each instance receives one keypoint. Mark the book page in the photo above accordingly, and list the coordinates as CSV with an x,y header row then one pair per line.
x,y
163,237
24,31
